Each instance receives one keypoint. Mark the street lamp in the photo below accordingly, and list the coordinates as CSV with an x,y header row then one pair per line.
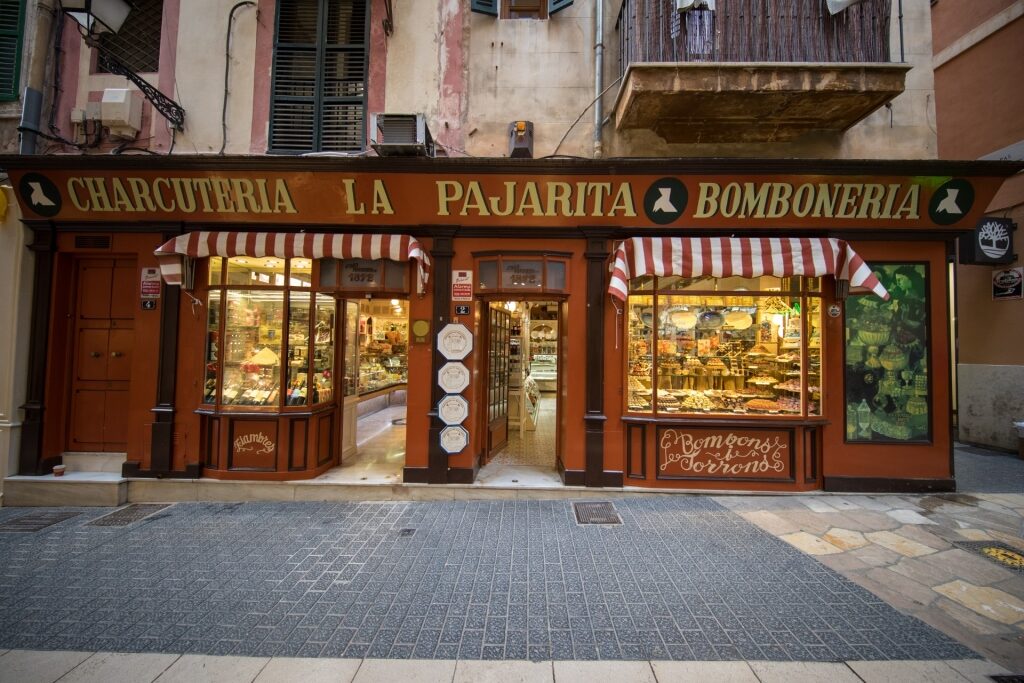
x,y
97,16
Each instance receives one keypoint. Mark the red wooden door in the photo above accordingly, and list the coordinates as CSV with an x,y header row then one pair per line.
x,y
103,341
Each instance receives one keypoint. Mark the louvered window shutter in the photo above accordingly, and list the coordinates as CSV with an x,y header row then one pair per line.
x,y
485,7
319,86
558,5
12,14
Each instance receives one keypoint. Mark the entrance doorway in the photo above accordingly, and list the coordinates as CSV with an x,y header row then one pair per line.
x,y
375,366
524,383
101,353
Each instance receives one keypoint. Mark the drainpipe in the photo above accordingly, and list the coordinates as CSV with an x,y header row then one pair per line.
x,y
598,76
32,98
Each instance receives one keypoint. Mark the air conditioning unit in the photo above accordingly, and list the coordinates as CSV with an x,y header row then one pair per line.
x,y
403,135
121,112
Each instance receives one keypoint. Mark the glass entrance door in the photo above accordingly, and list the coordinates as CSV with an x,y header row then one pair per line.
x,y
498,348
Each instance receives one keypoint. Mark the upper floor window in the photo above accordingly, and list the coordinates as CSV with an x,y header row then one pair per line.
x,y
12,17
137,44
520,9
318,98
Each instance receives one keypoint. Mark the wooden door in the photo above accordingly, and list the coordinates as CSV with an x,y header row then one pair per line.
x,y
105,292
498,348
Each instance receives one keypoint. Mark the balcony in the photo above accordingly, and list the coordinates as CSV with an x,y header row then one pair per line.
x,y
752,70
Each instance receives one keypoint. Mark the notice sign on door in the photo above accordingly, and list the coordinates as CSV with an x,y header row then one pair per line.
x,y
149,288
462,285
1008,284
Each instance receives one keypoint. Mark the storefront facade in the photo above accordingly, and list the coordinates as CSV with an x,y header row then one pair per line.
x,y
741,324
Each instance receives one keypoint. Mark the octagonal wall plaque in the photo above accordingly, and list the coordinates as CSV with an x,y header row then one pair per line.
x,y
454,439
453,409
453,377
455,341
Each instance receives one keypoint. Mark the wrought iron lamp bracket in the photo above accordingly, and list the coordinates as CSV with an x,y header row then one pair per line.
x,y
171,110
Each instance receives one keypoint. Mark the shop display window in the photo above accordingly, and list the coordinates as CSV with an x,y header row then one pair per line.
x,y
383,344
270,341
364,275
886,359
350,352
707,345
516,274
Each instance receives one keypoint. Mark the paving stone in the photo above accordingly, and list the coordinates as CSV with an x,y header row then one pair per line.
x,y
898,544
900,672
845,539
107,667
588,672
770,522
802,672
407,671
810,544
909,517
977,670
192,668
468,671
969,566
989,602
975,534
705,672
19,666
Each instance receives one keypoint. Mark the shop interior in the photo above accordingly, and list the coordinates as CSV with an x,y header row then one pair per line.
x,y
523,383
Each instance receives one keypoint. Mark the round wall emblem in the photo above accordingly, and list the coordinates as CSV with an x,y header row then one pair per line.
x,y
454,439
993,239
665,200
951,202
40,194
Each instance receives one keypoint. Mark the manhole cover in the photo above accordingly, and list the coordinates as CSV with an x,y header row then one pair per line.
x,y
35,521
997,552
596,513
127,515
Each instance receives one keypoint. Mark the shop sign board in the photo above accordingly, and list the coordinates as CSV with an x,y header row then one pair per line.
x,y
149,286
462,285
990,242
931,198
1008,284
454,439
455,341
724,453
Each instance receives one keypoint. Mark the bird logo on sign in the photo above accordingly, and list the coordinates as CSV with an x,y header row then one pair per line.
x,y
665,200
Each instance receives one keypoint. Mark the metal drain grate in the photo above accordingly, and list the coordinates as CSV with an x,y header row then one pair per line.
x,y
1008,678
596,513
128,515
36,521
1006,556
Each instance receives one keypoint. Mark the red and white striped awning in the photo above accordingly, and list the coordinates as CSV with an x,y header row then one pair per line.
x,y
171,254
739,257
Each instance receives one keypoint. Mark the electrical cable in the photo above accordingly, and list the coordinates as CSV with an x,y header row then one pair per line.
x,y
227,67
585,110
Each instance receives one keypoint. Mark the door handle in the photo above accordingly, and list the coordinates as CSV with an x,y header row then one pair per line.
x,y
95,354
116,354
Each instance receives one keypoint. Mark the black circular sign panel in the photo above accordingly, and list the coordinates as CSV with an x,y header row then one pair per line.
x,y
40,194
951,202
665,200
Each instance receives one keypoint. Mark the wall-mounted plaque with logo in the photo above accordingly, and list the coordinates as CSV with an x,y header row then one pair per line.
x,y
1008,284
453,377
453,409
990,242
454,439
455,341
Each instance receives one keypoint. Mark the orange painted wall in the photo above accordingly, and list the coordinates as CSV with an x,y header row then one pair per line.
x,y
953,18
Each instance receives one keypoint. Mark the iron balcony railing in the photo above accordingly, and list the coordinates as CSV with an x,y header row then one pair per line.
x,y
753,31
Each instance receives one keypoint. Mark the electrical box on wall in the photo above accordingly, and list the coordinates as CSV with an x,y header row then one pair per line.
x,y
520,139
121,112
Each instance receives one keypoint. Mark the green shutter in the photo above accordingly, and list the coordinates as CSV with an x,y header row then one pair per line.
x,y
485,7
558,5
12,14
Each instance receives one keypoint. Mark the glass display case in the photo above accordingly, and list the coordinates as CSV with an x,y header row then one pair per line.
x,y
543,346
724,346
383,345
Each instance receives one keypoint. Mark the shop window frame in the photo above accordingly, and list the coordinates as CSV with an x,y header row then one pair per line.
x,y
500,258
802,292
929,440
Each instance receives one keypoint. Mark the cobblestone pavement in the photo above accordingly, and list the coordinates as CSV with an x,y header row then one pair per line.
x,y
980,470
683,578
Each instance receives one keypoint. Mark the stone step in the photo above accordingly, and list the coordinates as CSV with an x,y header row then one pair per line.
x,y
74,489
94,462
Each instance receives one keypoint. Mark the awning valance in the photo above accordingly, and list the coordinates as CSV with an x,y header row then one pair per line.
x,y
739,257
171,254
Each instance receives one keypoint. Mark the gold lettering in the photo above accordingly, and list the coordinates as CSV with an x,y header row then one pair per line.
x,y
73,193
848,202
559,193
448,191
350,198
623,201
159,195
510,201
826,202
282,199
581,198
140,193
184,194
530,200
755,199
245,195
98,194
204,186
261,186
381,200
707,200
732,195
222,193
122,202
600,192
474,200
909,203
803,200
781,192
890,201
871,201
